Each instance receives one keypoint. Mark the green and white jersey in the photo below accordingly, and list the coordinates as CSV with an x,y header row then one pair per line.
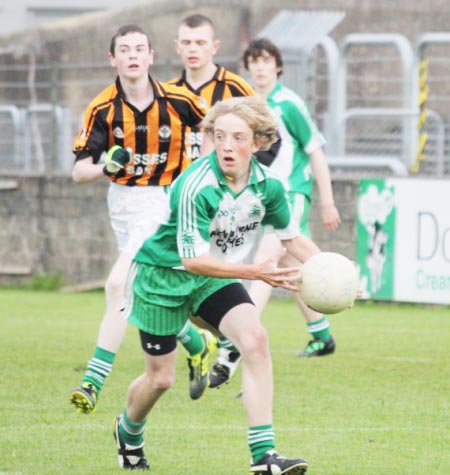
x,y
299,137
206,216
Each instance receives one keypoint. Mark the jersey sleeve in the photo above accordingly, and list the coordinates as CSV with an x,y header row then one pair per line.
x,y
192,218
300,125
92,139
189,106
237,85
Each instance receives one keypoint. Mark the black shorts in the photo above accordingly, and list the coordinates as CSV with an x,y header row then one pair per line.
x,y
156,344
216,306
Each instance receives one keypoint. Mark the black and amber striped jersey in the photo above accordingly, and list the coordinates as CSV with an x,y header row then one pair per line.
x,y
223,85
155,136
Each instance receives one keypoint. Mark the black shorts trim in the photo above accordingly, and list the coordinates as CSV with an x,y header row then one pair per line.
x,y
157,345
217,305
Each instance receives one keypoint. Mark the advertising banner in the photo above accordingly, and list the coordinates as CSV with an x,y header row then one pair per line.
x,y
403,240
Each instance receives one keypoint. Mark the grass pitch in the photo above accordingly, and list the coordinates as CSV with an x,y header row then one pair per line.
x,y
379,406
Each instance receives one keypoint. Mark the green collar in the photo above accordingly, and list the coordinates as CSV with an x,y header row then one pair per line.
x,y
277,87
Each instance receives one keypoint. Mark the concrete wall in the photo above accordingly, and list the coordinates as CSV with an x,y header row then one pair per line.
x,y
53,226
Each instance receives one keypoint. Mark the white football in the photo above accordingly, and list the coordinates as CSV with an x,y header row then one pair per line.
x,y
329,282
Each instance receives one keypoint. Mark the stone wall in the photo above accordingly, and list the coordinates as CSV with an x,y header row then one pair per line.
x,y
50,225
53,226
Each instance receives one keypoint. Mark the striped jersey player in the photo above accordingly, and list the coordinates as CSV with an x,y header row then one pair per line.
x,y
196,44
153,136
223,85
140,124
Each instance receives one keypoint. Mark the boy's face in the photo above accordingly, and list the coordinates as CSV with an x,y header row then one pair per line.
x,y
132,56
263,70
196,46
234,143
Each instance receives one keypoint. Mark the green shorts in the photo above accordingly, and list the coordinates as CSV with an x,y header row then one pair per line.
x,y
159,300
300,206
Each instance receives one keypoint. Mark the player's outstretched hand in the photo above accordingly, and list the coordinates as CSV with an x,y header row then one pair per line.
x,y
116,158
286,277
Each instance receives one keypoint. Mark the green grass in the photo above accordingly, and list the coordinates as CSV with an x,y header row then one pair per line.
x,y
379,406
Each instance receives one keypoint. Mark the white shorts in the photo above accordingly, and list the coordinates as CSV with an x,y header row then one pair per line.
x,y
136,212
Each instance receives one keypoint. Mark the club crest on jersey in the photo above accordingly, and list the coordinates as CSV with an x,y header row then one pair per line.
x,y
255,211
118,133
165,132
202,102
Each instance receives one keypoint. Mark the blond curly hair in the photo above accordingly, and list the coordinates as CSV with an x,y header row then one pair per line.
x,y
253,110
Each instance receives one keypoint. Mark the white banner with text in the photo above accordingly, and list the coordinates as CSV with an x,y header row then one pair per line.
x,y
403,240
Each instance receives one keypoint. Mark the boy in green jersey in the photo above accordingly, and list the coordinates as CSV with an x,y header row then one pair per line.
x,y
191,266
300,162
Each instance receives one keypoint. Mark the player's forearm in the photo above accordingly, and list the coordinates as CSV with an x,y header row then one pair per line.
x,y
322,177
85,171
214,267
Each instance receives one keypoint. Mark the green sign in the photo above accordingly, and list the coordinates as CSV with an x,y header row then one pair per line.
x,y
375,252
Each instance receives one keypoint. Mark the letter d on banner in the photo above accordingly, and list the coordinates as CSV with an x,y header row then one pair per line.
x,y
427,236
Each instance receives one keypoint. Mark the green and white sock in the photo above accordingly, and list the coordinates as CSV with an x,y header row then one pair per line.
x,y
260,440
99,367
226,343
132,433
320,329
191,339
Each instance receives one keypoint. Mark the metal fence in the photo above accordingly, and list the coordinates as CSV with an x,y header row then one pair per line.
x,y
388,103
380,102
41,109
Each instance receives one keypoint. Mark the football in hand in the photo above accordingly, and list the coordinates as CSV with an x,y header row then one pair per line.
x,y
329,283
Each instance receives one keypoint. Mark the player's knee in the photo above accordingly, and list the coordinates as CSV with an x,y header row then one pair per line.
x,y
256,344
114,286
163,380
